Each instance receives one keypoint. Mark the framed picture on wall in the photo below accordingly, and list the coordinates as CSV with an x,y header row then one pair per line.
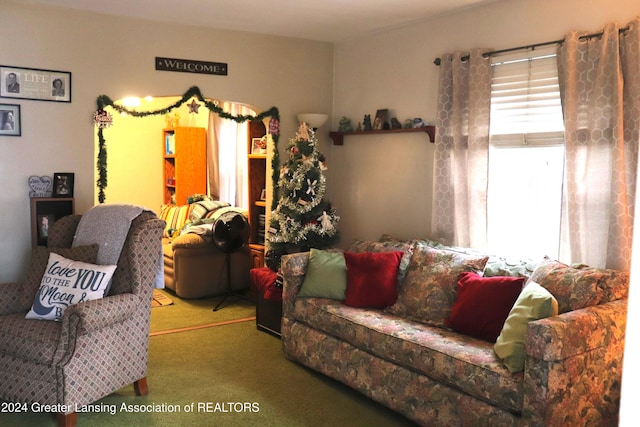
x,y
10,120
63,184
34,83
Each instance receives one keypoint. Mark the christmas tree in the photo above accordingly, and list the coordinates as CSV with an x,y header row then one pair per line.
x,y
303,218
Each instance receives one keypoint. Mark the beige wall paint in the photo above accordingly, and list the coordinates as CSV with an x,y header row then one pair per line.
x,y
395,70
135,144
115,57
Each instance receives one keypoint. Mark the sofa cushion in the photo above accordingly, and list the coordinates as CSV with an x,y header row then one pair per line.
x,y
533,303
463,362
483,304
66,282
372,278
175,217
29,339
326,275
429,289
581,286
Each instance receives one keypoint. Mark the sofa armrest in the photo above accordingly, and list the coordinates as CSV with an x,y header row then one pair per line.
x,y
190,241
293,267
10,298
573,366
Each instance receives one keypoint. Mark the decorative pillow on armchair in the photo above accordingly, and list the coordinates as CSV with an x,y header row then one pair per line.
x,y
66,282
429,289
40,258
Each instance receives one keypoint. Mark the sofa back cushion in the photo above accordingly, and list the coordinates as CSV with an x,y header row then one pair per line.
x,y
429,289
581,286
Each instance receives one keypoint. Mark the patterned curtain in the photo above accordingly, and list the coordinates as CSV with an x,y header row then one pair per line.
x,y
461,159
600,92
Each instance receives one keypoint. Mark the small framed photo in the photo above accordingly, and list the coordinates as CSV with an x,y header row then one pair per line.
x,y
34,83
380,122
63,184
44,222
10,120
263,194
258,145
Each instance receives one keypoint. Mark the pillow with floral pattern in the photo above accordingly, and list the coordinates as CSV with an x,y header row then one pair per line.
x,y
430,285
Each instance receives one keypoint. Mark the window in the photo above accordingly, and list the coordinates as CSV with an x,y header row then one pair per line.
x,y
526,155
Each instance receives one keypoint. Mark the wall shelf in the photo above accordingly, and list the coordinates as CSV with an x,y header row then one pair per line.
x,y
338,137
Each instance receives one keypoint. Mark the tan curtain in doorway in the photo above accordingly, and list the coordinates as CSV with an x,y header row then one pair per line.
x,y
461,159
600,91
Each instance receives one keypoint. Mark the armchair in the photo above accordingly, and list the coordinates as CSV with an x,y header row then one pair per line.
x,y
98,346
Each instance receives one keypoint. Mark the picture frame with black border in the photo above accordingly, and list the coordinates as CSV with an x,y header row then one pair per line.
x,y
10,120
35,83
63,184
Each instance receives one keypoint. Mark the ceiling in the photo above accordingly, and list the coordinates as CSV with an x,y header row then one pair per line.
x,y
323,20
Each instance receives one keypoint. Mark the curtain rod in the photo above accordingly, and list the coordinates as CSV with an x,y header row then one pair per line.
x,y
437,61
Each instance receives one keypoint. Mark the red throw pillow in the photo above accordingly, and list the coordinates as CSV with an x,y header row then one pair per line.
x,y
372,278
483,304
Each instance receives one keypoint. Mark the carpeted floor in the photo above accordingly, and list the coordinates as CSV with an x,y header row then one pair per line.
x,y
216,369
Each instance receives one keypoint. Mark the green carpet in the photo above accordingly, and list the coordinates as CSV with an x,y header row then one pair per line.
x,y
185,313
231,375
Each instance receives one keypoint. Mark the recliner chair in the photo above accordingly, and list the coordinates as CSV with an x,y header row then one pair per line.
x,y
98,346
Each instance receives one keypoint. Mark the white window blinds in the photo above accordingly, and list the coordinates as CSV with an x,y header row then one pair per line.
x,y
525,99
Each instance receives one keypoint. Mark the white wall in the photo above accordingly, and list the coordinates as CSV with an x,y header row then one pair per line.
x,y
395,70
115,57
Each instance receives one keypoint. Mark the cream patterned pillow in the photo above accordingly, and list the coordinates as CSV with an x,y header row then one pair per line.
x,y
66,282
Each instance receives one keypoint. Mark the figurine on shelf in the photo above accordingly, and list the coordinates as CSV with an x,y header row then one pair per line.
x,y
345,125
418,123
367,122
408,124
395,124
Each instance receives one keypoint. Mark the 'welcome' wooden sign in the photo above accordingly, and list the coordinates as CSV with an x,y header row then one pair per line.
x,y
190,66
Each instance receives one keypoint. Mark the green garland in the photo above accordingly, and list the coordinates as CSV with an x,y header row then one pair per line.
x,y
193,92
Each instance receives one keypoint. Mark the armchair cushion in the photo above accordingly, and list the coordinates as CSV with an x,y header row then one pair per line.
x,y
66,282
29,339
39,260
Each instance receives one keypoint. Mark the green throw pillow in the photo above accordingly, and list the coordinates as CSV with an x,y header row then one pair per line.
x,y
533,303
326,275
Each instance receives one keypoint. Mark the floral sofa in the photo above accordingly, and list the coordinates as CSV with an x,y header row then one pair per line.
x,y
193,266
565,365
